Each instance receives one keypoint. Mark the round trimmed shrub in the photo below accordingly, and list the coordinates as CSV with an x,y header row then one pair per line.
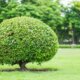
x,y
25,39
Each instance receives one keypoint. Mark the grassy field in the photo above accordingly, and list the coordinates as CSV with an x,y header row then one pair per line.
x,y
65,65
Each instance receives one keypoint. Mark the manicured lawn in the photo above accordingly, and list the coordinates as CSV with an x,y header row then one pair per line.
x,y
65,65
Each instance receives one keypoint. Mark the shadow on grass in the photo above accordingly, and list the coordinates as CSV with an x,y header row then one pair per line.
x,y
32,70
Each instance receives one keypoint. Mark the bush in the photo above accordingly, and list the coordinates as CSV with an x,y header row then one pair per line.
x,y
25,39
69,46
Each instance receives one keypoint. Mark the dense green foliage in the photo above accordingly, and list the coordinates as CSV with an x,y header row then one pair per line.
x,y
72,23
63,20
25,39
2,3
69,31
46,10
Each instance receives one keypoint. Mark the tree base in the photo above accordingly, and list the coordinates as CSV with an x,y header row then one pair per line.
x,y
22,66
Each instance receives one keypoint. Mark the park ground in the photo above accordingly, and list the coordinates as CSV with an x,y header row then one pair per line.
x,y
64,66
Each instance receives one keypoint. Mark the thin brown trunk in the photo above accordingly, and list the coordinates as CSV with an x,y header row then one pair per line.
x,y
22,65
73,39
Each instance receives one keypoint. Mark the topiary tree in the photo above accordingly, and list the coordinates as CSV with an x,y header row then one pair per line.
x,y
24,40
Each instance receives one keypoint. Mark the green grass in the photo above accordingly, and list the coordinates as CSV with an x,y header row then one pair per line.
x,y
67,61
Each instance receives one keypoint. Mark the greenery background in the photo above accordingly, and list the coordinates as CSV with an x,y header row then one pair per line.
x,y
64,20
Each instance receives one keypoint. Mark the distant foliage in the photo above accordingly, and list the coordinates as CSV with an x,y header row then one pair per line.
x,y
46,10
72,22
25,39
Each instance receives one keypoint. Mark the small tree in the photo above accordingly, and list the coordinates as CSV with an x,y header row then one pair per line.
x,y
24,40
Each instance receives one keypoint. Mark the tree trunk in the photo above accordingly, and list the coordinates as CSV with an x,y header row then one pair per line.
x,y
22,65
73,38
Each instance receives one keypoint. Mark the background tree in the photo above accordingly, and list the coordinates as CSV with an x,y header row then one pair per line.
x,y
8,11
48,11
2,3
73,22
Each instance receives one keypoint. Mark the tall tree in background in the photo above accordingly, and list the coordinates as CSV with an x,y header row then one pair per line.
x,y
12,1
39,2
48,11
73,21
2,3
